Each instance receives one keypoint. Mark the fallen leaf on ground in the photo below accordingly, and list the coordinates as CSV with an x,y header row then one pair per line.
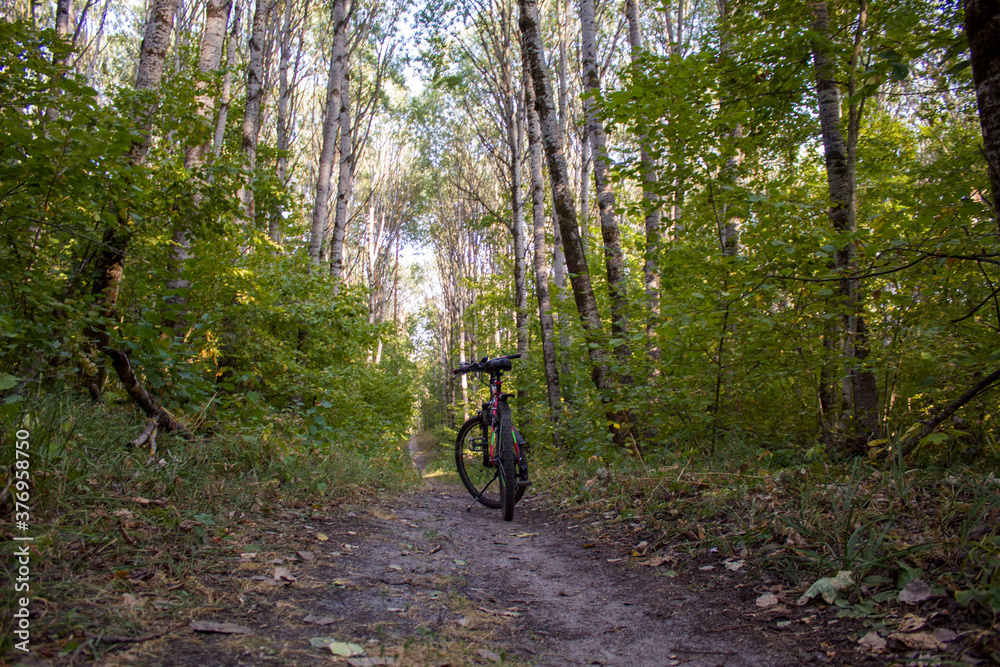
x,y
767,600
733,565
321,537
920,641
657,561
501,612
829,588
371,662
873,642
306,555
221,628
346,583
337,647
319,620
141,500
525,534
915,591
123,514
282,575
911,622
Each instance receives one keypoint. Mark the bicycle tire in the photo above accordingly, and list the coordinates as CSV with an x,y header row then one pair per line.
x,y
508,459
472,465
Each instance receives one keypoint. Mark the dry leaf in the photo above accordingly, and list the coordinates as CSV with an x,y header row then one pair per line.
x,y
915,591
873,642
733,565
282,575
306,555
319,620
657,561
767,600
123,514
911,622
222,628
321,537
920,641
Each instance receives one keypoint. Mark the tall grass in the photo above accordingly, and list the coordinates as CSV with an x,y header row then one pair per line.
x,y
108,520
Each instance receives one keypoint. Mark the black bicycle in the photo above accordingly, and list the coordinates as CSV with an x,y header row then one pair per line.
x,y
488,448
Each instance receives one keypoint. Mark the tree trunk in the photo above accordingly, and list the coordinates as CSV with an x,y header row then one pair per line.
x,y
515,142
650,268
613,257
110,262
225,95
545,320
331,123
345,181
216,18
982,27
255,95
562,191
859,387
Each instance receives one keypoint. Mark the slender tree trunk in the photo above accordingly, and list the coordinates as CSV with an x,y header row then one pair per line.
x,y
562,191
281,128
216,18
345,182
650,268
110,262
331,123
613,256
515,143
545,320
982,27
225,94
255,95
859,386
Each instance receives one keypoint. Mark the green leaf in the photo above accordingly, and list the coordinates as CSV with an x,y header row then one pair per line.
x,y
337,647
7,381
830,588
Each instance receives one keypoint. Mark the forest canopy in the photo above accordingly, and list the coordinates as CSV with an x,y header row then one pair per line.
x,y
765,222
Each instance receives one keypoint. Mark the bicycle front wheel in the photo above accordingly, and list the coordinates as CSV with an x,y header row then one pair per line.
x,y
472,460
508,482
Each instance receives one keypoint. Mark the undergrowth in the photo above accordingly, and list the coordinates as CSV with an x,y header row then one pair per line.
x,y
114,527
884,521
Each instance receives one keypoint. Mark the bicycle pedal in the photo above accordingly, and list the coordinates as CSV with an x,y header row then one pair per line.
x,y
524,482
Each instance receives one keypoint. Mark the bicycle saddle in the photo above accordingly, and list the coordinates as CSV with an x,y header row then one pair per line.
x,y
497,364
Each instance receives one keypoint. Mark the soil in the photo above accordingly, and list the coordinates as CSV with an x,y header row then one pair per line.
x,y
430,579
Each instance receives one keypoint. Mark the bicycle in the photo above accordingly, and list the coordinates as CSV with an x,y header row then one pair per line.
x,y
488,447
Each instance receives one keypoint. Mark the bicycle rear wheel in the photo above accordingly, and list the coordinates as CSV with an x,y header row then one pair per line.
x,y
508,482
472,461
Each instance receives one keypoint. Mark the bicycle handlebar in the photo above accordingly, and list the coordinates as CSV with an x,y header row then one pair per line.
x,y
481,365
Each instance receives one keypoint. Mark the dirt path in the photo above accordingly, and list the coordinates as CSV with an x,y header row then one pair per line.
x,y
423,580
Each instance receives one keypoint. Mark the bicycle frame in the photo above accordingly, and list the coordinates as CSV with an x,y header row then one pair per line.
x,y
497,444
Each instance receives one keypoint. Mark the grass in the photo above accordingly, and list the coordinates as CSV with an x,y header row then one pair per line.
x,y
885,521
113,529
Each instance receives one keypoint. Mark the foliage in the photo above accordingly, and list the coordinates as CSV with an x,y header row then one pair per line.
x,y
258,336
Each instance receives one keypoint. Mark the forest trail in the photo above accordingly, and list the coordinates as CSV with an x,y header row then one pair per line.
x,y
423,579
